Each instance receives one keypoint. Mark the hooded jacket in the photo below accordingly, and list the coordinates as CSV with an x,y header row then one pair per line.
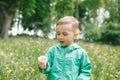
x,y
67,63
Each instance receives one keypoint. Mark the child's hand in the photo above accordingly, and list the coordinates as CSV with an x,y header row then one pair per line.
x,y
42,61
42,65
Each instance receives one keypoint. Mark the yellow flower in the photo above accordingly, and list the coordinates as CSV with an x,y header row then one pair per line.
x,y
38,49
97,48
91,58
11,54
107,74
92,74
110,64
104,58
92,79
111,75
9,71
116,76
91,46
111,56
12,62
6,67
28,62
26,69
21,69
33,70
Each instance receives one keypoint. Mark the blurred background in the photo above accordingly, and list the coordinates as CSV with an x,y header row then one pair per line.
x,y
99,19
27,30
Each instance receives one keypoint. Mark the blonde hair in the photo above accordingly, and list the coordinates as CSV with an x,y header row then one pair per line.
x,y
69,20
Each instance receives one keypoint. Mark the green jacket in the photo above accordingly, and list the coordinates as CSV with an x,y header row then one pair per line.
x,y
70,63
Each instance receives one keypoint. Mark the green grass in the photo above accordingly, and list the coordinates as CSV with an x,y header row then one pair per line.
x,y
18,58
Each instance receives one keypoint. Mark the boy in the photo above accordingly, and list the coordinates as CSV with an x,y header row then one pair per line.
x,y
66,60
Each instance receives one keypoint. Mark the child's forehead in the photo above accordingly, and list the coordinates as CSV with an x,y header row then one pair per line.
x,y
65,26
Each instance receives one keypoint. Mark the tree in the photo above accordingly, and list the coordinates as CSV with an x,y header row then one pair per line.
x,y
1,21
8,8
64,7
40,19
113,6
76,9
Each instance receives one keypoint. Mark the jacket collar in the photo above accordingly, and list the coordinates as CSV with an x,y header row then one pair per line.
x,y
71,47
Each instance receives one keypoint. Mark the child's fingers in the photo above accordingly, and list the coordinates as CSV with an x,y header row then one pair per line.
x,y
42,65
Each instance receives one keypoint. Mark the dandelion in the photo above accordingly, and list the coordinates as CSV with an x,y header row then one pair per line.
x,y
28,62
116,76
107,74
21,69
26,69
9,71
6,67
97,48
22,53
104,58
91,58
38,49
111,75
110,64
11,54
91,46
111,56
92,79
95,66
33,70
92,74
114,55
12,62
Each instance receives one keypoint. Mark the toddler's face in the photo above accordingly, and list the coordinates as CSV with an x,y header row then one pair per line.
x,y
65,34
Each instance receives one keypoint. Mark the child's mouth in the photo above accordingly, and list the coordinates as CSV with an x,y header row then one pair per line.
x,y
61,42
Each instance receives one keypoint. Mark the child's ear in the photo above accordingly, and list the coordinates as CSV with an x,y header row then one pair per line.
x,y
76,35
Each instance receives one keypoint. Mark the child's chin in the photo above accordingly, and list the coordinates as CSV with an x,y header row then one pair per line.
x,y
63,45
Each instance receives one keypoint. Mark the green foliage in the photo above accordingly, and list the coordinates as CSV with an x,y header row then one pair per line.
x,y
40,17
111,33
27,7
9,5
82,10
92,33
89,7
92,4
64,7
113,6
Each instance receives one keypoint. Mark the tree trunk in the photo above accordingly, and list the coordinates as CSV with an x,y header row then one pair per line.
x,y
5,27
76,10
6,24
35,33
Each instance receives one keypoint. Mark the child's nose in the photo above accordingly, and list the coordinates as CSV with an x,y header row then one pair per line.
x,y
60,36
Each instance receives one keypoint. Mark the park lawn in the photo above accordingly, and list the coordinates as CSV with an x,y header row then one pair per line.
x,y
18,58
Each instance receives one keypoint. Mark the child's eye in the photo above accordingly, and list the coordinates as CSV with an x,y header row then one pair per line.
x,y
65,34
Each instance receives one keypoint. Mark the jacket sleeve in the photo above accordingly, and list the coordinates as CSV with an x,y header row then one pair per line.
x,y
85,68
49,54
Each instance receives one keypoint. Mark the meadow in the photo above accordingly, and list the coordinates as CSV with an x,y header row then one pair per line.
x,y
18,58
